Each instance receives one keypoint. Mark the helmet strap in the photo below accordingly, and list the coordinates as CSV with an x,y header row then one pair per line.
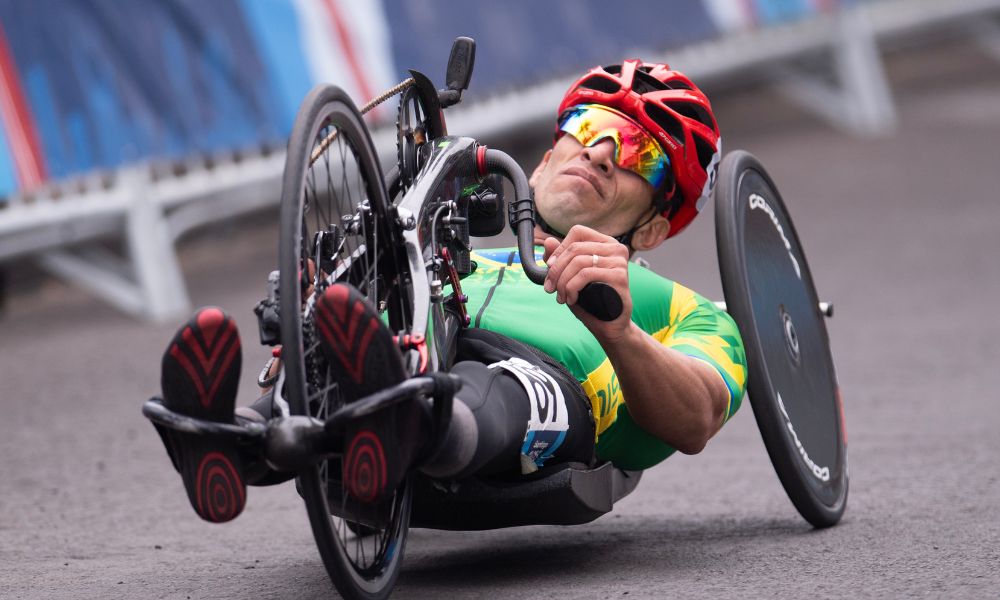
x,y
545,226
660,204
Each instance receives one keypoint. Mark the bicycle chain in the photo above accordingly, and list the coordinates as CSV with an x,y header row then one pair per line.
x,y
389,93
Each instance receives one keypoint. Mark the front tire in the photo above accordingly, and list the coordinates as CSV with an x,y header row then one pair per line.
x,y
336,227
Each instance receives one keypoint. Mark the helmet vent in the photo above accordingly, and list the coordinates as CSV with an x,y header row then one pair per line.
x,y
643,83
705,151
601,84
692,111
666,121
677,85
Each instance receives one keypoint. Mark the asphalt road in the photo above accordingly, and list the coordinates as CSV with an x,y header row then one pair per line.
x,y
902,234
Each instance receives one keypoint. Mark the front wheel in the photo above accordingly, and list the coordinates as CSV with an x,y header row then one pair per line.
x,y
335,227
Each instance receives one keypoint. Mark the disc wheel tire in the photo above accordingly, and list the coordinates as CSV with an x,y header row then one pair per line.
x,y
336,227
792,384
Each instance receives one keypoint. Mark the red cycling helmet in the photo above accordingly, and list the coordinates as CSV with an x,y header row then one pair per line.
x,y
669,106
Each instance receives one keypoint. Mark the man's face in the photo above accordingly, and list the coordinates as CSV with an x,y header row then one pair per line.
x,y
576,185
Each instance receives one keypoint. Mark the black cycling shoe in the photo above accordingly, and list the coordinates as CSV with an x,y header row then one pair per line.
x,y
363,359
200,374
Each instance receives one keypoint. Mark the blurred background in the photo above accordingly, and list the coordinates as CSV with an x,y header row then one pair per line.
x,y
127,127
141,150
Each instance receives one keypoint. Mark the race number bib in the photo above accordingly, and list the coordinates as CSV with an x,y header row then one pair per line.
x,y
549,420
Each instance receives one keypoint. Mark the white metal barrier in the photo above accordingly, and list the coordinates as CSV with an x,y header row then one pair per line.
x,y
149,211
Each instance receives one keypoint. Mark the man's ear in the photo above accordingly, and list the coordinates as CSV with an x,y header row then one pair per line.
x,y
651,234
541,167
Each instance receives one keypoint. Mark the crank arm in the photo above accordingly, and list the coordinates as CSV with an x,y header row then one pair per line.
x,y
155,411
294,442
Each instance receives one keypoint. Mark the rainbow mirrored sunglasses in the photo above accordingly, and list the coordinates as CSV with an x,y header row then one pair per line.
x,y
635,149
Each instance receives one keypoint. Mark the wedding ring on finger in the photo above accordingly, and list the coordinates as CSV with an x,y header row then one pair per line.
x,y
595,260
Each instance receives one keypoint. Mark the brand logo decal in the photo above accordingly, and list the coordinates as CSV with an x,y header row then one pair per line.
x,y
821,473
757,201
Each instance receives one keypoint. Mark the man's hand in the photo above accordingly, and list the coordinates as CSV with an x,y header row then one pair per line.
x,y
572,266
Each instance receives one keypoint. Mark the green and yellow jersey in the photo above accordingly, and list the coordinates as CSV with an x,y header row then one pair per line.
x,y
503,300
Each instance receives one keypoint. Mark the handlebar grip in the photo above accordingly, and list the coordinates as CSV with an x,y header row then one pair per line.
x,y
600,300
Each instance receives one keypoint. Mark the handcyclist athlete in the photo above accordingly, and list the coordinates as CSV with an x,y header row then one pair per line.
x,y
634,161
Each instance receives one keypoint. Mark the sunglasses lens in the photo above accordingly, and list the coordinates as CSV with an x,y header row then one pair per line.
x,y
635,150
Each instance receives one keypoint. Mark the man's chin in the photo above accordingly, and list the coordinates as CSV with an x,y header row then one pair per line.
x,y
565,208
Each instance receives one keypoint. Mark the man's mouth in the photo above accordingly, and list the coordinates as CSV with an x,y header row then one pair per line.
x,y
585,174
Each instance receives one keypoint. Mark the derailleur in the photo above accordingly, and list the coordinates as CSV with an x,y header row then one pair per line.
x,y
268,315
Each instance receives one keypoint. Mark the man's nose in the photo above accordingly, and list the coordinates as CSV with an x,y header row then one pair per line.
x,y
602,154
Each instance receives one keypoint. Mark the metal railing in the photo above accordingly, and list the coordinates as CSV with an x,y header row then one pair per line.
x,y
149,206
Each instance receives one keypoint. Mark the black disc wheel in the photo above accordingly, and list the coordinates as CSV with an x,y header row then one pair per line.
x,y
336,227
792,385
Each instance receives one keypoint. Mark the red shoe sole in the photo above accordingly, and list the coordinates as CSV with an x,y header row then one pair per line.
x,y
364,359
200,375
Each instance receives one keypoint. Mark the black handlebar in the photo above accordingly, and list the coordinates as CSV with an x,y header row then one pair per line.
x,y
597,298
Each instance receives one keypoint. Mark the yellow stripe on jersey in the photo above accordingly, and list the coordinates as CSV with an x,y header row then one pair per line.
x,y
601,387
713,347
682,303
717,358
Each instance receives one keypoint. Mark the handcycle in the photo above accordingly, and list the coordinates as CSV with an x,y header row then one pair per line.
x,y
403,240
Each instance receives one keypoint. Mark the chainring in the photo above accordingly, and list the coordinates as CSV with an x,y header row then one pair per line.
x,y
410,135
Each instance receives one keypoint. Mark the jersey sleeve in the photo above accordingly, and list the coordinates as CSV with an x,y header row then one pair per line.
x,y
705,332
